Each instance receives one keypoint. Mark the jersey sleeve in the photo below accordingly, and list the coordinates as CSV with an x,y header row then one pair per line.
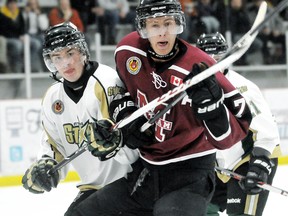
x,y
50,138
50,146
263,124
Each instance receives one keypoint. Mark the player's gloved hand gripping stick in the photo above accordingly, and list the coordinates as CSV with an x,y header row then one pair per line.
x,y
38,178
207,96
260,168
107,140
260,184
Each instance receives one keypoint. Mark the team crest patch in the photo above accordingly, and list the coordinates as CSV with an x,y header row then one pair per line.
x,y
58,107
133,65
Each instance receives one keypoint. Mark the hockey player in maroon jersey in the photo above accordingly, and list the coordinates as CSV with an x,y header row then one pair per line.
x,y
175,173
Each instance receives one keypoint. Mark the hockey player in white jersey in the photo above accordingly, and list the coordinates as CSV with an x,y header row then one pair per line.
x,y
255,157
70,106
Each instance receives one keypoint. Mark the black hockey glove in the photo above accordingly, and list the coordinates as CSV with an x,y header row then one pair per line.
x,y
259,169
207,96
37,180
121,108
105,141
133,137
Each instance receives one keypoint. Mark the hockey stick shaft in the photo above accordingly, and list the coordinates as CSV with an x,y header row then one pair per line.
x,y
262,185
253,30
68,159
256,27
162,112
276,10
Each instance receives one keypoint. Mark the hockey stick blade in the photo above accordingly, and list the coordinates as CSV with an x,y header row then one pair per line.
x,y
262,185
276,10
258,25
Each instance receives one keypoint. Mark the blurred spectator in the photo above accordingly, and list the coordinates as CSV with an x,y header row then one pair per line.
x,y
12,28
110,13
84,8
221,11
207,16
200,18
239,24
63,13
3,55
272,35
127,16
35,23
188,9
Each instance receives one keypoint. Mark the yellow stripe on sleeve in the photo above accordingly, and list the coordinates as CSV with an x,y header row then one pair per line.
x,y
101,96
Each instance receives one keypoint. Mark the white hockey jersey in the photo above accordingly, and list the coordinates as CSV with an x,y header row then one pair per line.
x,y
263,125
65,120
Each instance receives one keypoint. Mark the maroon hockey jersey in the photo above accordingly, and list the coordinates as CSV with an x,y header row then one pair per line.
x,y
179,134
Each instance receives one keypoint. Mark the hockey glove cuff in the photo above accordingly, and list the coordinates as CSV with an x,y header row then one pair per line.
x,y
105,141
132,136
120,108
37,179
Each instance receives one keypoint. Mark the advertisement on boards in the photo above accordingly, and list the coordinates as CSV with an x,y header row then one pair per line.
x,y
20,134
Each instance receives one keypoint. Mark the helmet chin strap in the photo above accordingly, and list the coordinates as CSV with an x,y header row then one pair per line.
x,y
54,76
172,53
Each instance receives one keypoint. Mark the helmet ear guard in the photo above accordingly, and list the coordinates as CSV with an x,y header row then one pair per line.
x,y
49,64
153,8
62,36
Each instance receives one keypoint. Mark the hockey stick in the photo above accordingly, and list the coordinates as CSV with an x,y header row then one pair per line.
x,y
260,184
69,158
254,30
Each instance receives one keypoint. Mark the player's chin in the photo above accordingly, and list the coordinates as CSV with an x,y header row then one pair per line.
x,y
71,78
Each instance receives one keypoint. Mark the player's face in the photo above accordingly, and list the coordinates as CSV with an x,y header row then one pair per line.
x,y
161,33
69,62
